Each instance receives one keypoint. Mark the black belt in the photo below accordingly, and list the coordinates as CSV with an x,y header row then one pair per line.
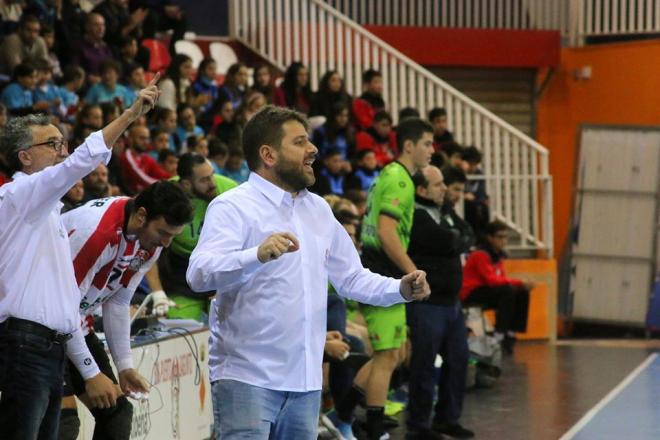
x,y
35,328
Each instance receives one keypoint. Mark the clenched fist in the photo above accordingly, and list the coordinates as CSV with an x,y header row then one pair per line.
x,y
277,245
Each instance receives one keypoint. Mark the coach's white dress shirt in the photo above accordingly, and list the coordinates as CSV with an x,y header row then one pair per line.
x,y
269,322
37,282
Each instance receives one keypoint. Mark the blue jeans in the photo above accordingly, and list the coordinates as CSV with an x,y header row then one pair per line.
x,y
243,411
31,377
435,330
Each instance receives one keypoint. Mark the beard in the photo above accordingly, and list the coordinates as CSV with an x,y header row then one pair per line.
x,y
294,176
207,196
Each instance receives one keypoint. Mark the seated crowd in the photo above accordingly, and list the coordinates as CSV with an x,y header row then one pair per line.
x,y
82,68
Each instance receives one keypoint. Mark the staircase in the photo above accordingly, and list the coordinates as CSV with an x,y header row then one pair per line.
x,y
311,31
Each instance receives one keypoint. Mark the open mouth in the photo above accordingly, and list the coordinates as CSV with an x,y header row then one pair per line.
x,y
308,163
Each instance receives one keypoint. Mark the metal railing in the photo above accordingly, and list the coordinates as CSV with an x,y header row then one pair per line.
x,y
516,167
617,17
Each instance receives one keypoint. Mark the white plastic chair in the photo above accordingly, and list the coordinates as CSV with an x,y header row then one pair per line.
x,y
223,55
191,49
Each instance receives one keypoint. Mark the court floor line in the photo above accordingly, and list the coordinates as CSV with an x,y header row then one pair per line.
x,y
608,398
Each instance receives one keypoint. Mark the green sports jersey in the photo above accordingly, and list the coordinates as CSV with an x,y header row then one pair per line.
x,y
391,194
184,243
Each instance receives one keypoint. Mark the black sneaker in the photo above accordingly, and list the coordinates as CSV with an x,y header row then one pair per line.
x,y
453,430
507,345
423,434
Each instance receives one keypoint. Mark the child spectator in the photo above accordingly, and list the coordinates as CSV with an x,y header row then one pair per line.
x,y
371,101
336,133
331,178
174,87
187,126
454,154
135,80
48,34
205,84
73,78
46,91
109,89
254,102
477,212
235,85
130,53
295,92
218,154
160,140
331,93
110,112
408,112
438,120
365,172
18,96
380,138
166,121
168,161
263,82
224,126
198,145
236,167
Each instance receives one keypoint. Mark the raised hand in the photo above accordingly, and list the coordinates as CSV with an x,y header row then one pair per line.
x,y
277,245
146,99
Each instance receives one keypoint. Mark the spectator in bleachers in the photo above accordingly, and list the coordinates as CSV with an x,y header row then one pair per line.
x,y
218,154
485,283
358,199
18,96
160,140
371,101
139,169
186,126
119,22
110,111
205,83
254,102
263,82
453,152
46,91
380,138
131,53
175,86
198,145
295,91
109,89
90,117
48,34
336,133
164,15
23,46
134,80
331,92
47,11
408,112
10,13
477,212
236,167
166,121
438,120
225,126
97,185
236,83
92,50
73,78
331,178
74,197
437,240
365,172
168,161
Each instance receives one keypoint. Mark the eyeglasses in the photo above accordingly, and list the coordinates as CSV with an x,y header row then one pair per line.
x,y
58,145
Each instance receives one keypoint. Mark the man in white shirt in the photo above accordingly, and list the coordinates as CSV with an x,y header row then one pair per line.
x,y
269,247
39,297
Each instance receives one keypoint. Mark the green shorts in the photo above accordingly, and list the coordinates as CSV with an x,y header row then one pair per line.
x,y
188,308
386,325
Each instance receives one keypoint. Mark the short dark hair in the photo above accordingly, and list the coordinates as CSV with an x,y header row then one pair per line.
x,y
495,226
72,73
332,151
111,64
165,199
382,115
217,147
451,148
27,18
408,112
419,179
265,128
181,107
436,113
369,74
471,154
362,153
187,162
23,69
164,154
411,129
453,175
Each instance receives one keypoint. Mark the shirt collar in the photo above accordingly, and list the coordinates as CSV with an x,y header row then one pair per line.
x,y
273,192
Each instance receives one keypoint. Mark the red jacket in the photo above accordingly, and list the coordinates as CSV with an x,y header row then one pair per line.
x,y
140,170
480,271
385,152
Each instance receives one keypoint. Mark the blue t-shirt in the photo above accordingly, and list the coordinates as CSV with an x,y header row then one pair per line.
x,y
182,134
320,139
99,93
239,176
15,96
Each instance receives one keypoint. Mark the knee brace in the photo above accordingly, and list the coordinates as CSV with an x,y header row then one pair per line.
x,y
69,424
114,423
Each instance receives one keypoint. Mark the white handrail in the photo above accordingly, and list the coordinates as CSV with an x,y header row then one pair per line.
x,y
322,38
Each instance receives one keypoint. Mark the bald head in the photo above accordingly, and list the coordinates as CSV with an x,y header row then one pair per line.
x,y
430,184
95,26
139,138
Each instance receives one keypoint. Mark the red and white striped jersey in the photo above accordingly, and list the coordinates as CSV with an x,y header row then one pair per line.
x,y
108,264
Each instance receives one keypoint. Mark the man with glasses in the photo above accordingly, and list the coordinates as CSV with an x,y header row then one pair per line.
x,y
39,296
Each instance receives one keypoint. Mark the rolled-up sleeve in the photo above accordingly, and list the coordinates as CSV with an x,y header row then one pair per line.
x,y
352,280
219,261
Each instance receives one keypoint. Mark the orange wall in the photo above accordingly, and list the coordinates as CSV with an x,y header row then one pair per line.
x,y
623,90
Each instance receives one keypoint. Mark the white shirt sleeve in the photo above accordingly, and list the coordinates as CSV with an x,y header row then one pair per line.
x,y
117,328
34,196
78,352
353,281
219,261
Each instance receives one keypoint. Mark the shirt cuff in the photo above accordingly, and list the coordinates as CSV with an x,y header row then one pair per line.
x,y
248,259
124,364
90,372
96,146
396,295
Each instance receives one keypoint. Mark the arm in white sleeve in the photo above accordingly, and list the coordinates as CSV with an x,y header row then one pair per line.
x,y
219,261
352,280
34,196
78,352
117,328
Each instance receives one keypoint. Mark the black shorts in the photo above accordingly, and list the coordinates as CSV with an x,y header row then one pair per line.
x,y
73,381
